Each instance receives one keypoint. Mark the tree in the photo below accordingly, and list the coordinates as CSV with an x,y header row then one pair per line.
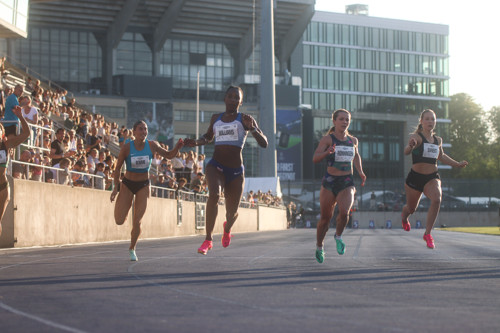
x,y
469,138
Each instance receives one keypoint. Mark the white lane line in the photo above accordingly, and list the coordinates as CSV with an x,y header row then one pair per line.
x,y
40,320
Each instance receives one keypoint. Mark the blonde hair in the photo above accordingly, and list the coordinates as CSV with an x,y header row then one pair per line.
x,y
420,128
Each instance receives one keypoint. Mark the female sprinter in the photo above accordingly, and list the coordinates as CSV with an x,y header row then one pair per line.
x,y
225,170
340,150
426,149
137,155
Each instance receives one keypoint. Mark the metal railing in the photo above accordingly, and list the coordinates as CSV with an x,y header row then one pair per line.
x,y
82,179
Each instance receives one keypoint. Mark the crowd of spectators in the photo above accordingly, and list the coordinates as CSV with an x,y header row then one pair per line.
x,y
71,146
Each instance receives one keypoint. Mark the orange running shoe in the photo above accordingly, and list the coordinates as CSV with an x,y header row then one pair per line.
x,y
226,237
430,241
207,245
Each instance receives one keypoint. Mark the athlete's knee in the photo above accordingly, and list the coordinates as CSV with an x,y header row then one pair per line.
x,y
215,196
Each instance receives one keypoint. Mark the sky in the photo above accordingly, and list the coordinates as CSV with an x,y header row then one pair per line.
x,y
473,38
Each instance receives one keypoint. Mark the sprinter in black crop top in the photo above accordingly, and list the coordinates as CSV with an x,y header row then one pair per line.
x,y
426,149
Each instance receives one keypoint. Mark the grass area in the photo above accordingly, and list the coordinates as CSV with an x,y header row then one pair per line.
x,y
476,230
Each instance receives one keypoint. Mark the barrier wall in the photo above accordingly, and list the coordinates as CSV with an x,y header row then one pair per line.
x,y
449,219
42,214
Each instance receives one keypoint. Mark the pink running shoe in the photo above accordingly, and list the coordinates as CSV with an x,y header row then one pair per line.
x,y
226,237
430,241
406,224
207,245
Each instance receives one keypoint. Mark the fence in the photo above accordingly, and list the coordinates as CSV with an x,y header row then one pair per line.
x,y
389,194
61,176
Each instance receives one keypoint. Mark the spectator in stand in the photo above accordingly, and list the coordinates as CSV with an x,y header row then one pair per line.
x,y
93,140
178,165
197,181
189,163
200,161
69,123
63,176
99,171
10,117
83,126
163,183
20,171
251,199
72,146
57,147
48,175
92,160
37,172
7,143
30,113
78,179
29,84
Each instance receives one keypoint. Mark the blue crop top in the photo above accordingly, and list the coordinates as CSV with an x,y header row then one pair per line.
x,y
342,158
139,160
233,133
426,152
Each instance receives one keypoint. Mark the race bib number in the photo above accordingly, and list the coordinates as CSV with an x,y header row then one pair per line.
x,y
3,156
344,153
430,150
227,132
139,162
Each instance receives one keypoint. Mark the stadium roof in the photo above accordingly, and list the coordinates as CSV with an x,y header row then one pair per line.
x,y
230,21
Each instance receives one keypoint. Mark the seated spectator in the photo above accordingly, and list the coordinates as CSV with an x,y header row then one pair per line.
x,y
78,179
161,182
93,141
92,160
63,176
99,171
20,171
197,181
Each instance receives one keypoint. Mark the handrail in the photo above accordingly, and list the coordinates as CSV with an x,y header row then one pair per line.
x,y
34,165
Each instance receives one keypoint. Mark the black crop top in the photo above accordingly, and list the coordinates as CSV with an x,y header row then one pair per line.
x,y
426,152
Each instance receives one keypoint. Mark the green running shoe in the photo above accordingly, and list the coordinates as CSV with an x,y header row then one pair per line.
x,y
133,256
340,246
320,255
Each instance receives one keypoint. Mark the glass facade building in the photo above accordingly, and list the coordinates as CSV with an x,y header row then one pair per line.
x,y
385,72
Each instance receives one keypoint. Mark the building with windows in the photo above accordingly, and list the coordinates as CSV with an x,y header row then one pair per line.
x,y
384,71
132,59
136,59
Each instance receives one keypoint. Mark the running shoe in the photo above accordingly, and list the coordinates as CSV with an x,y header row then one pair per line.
x,y
207,245
226,237
340,246
430,241
320,255
406,224
133,256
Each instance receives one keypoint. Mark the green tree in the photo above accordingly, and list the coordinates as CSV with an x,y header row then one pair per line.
x,y
494,120
469,138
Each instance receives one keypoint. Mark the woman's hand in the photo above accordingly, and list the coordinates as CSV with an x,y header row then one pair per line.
x,y
113,194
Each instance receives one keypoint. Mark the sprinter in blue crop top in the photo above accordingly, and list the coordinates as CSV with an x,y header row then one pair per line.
x,y
337,188
426,149
225,170
137,155
8,142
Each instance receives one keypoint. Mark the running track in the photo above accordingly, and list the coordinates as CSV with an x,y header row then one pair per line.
x,y
388,281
